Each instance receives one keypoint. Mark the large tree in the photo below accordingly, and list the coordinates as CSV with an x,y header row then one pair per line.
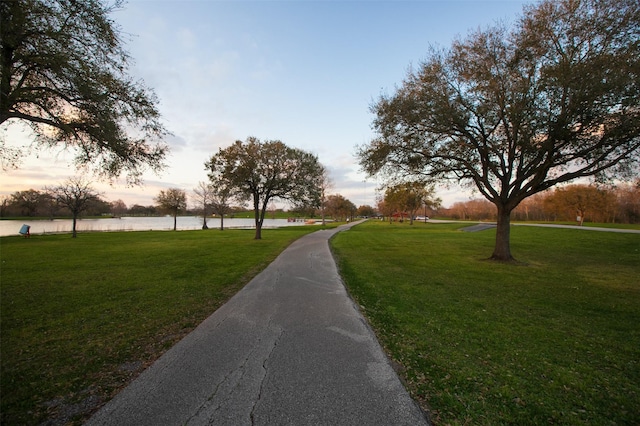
x,y
339,208
76,194
172,201
29,201
410,196
63,71
266,171
516,112
118,208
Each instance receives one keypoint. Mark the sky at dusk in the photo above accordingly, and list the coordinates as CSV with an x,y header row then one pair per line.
x,y
303,72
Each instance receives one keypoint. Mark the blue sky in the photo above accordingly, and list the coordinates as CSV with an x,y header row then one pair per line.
x,y
303,72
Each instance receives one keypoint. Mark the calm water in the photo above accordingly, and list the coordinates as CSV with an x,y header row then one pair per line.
x,y
11,227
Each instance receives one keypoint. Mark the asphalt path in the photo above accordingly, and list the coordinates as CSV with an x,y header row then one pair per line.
x,y
483,226
291,348
584,228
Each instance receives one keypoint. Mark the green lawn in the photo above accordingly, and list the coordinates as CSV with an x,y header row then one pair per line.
x,y
556,340
80,318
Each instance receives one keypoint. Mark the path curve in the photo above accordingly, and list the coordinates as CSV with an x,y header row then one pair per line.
x,y
291,348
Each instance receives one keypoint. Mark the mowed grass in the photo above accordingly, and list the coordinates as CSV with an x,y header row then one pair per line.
x,y
81,317
555,340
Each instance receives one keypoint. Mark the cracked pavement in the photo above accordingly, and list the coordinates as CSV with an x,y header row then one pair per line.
x,y
290,348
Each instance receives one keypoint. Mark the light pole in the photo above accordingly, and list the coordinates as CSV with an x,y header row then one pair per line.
x,y
364,182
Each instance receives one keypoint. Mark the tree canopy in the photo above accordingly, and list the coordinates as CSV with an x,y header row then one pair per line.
x,y
339,208
64,72
581,200
266,171
172,201
29,201
515,112
408,197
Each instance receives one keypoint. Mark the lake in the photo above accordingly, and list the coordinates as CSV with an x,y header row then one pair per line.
x,y
165,223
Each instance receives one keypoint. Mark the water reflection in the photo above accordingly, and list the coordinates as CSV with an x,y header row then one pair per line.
x,y
39,227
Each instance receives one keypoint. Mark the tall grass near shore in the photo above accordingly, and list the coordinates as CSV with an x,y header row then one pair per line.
x,y
81,317
554,340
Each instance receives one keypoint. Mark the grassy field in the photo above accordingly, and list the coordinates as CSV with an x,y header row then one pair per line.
x,y
553,341
80,318
556,341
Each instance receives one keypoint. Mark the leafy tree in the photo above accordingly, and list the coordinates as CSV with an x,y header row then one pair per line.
x,y
266,171
581,200
138,210
98,207
366,211
394,200
303,210
75,194
4,205
411,196
63,72
339,207
28,201
172,201
385,208
516,112
118,208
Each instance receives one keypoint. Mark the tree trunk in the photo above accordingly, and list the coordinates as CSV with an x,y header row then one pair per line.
x,y
502,250
258,224
259,214
222,222
75,218
175,221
